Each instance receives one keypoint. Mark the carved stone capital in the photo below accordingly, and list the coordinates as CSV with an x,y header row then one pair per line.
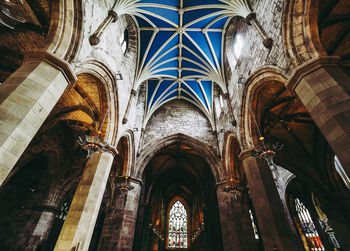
x,y
245,154
250,17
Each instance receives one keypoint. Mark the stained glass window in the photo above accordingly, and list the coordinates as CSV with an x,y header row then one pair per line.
x,y
64,211
255,229
308,227
177,237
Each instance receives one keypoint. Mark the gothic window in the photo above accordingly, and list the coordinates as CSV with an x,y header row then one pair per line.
x,y
124,40
255,229
64,211
177,236
308,227
238,45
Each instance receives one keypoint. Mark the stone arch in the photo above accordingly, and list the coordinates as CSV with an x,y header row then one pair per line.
x,y
54,27
132,30
264,94
84,106
207,153
127,143
236,25
105,75
300,31
253,84
65,31
231,151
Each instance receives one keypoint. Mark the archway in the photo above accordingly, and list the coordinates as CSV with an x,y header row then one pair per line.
x,y
274,114
178,172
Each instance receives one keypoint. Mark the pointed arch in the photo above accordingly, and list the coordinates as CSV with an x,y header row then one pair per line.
x,y
206,151
251,88
126,143
300,31
105,75
231,151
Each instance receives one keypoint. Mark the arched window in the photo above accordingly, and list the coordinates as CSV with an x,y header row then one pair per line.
x,y
307,227
238,43
177,236
124,40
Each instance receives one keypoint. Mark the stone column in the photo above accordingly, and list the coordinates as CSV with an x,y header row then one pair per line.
x,y
119,228
324,89
227,219
26,99
272,221
80,222
49,209
339,220
42,228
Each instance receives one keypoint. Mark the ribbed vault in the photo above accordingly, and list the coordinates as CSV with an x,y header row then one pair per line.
x,y
181,48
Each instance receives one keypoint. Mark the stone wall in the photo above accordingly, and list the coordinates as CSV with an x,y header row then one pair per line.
x,y
253,56
179,116
109,52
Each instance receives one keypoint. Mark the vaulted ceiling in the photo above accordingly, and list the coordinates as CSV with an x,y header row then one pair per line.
x,y
181,48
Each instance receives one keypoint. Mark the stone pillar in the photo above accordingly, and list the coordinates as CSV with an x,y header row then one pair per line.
x,y
227,219
272,221
119,228
80,222
324,89
49,209
42,229
339,220
26,99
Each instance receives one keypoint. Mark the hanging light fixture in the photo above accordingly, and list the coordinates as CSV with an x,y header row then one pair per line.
x,y
266,150
123,184
93,144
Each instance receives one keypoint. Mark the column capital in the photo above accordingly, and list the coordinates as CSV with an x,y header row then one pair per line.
x,y
250,17
310,66
245,154
54,61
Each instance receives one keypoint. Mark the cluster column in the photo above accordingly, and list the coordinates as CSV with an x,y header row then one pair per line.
x,y
272,221
120,223
50,207
228,222
323,87
26,99
80,222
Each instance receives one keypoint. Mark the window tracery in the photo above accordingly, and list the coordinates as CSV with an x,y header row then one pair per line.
x,y
308,227
177,236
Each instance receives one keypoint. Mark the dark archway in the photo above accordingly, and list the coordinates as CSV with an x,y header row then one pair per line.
x,y
178,172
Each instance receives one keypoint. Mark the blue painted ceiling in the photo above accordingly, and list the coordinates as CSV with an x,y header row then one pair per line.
x,y
181,48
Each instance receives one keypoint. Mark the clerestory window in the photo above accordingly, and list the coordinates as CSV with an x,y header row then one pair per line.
x,y
238,44
124,40
177,235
